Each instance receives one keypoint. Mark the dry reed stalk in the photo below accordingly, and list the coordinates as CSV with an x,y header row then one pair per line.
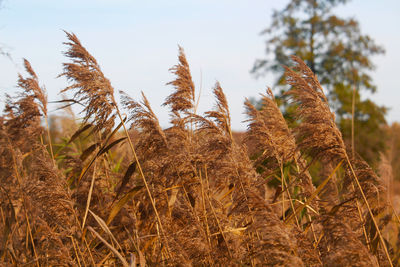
x,y
217,142
221,115
317,133
145,182
373,186
305,249
306,182
181,163
89,197
116,253
353,109
276,245
223,227
75,250
372,190
8,179
260,136
330,194
29,230
270,229
269,138
386,173
12,194
205,211
221,231
267,143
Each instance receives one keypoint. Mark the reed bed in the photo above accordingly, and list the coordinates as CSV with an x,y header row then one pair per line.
x,y
123,191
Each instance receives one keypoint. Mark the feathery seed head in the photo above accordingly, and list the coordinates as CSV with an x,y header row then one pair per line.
x,y
182,100
31,87
317,132
92,88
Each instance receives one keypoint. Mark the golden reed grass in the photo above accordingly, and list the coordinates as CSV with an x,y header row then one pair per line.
x,y
187,195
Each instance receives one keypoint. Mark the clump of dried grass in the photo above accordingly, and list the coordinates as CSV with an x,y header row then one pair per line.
x,y
168,158
318,135
191,196
36,193
266,240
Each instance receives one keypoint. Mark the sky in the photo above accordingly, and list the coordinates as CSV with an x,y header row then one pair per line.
x,y
136,42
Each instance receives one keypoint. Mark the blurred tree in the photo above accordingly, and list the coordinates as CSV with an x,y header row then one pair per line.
x,y
393,152
339,55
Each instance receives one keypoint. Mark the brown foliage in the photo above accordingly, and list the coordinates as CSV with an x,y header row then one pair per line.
x,y
192,196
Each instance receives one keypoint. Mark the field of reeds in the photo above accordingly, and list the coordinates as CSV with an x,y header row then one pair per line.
x,y
116,189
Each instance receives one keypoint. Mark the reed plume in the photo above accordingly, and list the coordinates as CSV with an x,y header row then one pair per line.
x,y
269,131
182,99
31,87
92,89
317,133
259,135
153,138
373,186
22,118
48,192
221,115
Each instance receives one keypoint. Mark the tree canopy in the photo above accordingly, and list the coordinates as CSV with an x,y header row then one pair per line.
x,y
341,57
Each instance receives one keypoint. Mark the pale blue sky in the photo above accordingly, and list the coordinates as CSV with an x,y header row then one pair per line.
x,y
136,42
